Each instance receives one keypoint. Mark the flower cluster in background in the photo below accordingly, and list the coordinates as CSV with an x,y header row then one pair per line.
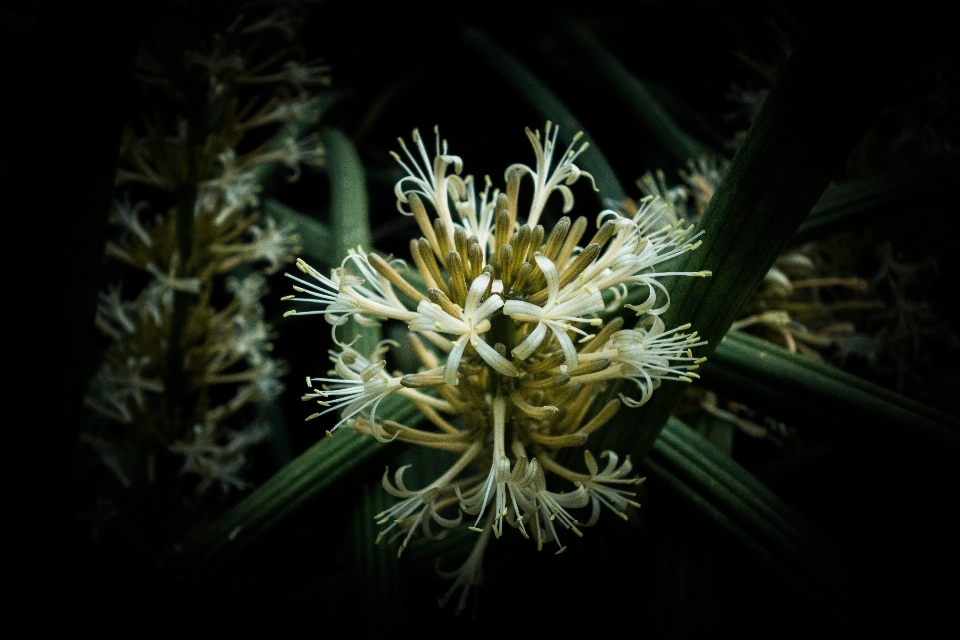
x,y
189,357
796,305
507,322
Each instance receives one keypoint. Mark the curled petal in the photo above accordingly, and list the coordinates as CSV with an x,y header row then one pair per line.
x,y
453,360
491,357
532,341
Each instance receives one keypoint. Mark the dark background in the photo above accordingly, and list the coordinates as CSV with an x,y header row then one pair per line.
x,y
67,89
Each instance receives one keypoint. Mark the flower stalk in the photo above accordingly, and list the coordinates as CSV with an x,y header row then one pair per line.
x,y
175,401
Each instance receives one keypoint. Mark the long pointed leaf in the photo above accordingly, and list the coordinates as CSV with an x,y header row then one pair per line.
x,y
373,569
753,368
824,100
768,529
859,200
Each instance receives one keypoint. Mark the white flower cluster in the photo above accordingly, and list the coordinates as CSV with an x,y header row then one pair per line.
x,y
191,352
518,348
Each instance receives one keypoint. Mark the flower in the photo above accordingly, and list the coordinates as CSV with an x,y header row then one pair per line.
x,y
545,181
359,384
345,295
513,345
274,244
648,356
247,290
469,323
556,314
420,507
187,362
125,216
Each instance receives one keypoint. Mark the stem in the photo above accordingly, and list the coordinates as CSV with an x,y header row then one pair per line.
x,y
182,301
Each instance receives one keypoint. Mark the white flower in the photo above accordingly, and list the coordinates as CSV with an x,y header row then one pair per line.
x,y
247,290
432,180
133,383
468,323
704,178
235,189
675,198
252,434
250,336
113,316
500,479
159,293
108,397
546,507
293,152
649,355
477,218
527,379
170,281
339,306
640,244
370,288
115,384
266,379
360,384
201,447
345,295
275,244
418,508
544,182
124,215
560,309
617,500
301,75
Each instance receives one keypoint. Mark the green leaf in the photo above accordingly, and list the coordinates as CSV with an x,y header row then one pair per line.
x,y
349,218
734,501
374,572
539,97
349,213
825,99
755,370
858,201
717,430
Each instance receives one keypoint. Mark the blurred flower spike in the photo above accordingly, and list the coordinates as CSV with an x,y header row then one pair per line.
x,y
508,323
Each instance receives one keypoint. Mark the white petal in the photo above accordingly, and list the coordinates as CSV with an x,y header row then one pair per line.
x,y
569,351
582,304
487,309
567,194
550,273
433,318
592,467
492,358
453,361
476,291
522,311
530,344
